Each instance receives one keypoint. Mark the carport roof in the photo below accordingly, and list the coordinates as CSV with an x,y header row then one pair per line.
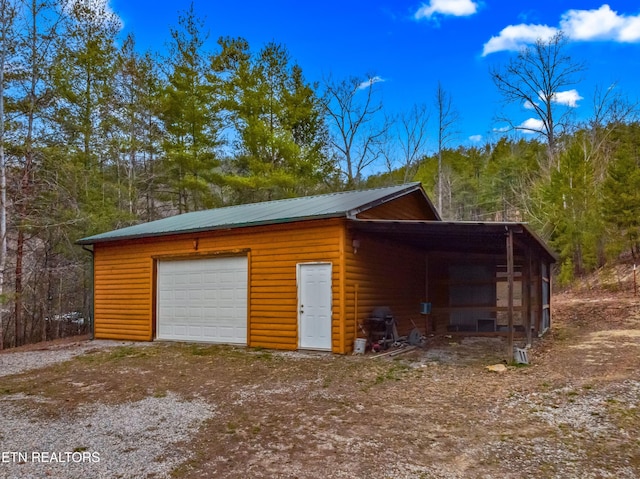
x,y
342,204
459,236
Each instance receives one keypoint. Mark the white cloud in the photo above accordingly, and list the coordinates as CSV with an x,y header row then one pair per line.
x,y
630,32
567,98
532,125
368,83
529,106
578,25
475,138
456,8
600,24
516,37
590,24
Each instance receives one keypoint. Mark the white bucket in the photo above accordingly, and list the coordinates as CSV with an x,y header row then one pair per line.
x,y
359,346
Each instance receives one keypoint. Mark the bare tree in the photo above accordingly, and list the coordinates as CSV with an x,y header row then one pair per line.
x,y
611,108
353,113
536,78
412,138
448,116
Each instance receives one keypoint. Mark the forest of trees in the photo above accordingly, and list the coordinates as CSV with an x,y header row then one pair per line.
x,y
95,135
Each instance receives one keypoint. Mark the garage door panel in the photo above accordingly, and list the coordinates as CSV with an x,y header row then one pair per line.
x,y
196,295
203,300
180,279
210,333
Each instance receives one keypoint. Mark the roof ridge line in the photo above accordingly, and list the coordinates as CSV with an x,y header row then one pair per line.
x,y
293,198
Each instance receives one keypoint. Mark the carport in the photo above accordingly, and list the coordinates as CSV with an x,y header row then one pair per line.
x,y
479,278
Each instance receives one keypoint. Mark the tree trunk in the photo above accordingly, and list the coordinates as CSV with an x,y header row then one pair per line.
x,y
25,192
6,14
17,315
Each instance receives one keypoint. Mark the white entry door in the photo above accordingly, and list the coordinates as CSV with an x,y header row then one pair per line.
x,y
203,300
314,306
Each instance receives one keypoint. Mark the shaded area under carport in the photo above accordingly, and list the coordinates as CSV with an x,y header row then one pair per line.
x,y
515,254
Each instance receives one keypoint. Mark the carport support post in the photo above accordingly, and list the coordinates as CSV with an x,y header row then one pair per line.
x,y
426,292
526,284
510,292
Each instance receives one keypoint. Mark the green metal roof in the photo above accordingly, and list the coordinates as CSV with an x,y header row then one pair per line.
x,y
332,205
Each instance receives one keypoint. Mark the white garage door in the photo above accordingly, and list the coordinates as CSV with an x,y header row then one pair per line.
x,y
203,300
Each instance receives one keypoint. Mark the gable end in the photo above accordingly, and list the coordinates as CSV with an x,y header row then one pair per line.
x,y
412,206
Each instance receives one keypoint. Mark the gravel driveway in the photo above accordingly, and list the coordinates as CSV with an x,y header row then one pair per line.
x,y
15,362
97,441
136,410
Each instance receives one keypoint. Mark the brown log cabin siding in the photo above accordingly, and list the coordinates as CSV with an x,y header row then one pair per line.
x,y
125,282
122,277
408,207
384,274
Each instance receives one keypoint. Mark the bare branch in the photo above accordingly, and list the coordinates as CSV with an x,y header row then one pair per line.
x,y
534,79
357,136
447,117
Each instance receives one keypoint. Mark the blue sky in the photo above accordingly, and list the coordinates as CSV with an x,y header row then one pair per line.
x,y
412,45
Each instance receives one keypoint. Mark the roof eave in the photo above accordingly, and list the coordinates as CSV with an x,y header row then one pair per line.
x,y
541,242
507,224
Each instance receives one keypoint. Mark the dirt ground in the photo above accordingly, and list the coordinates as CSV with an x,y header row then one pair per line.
x,y
431,413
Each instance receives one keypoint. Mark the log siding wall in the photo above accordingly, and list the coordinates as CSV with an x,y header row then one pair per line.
x,y
409,207
124,278
383,273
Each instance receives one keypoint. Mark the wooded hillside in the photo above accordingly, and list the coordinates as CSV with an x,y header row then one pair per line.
x,y
96,135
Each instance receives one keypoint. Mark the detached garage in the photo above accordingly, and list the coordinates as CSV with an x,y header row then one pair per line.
x,y
305,273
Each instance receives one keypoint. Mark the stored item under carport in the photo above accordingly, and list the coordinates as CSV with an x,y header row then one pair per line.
x,y
382,327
